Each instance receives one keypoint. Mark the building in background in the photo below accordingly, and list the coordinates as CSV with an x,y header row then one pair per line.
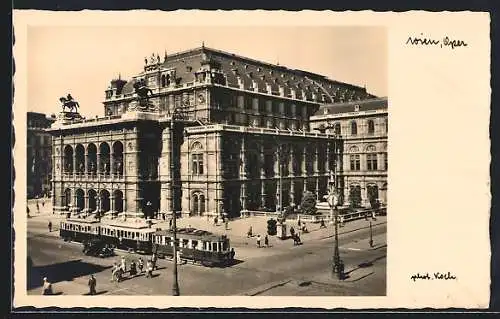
x,y
39,154
247,127
363,126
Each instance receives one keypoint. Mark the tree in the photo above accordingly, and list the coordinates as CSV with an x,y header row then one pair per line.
x,y
308,205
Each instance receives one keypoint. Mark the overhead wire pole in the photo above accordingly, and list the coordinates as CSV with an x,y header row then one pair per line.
x,y
174,187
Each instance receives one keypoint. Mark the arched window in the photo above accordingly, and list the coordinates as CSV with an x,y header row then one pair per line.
x,y
355,195
337,130
354,128
163,80
371,127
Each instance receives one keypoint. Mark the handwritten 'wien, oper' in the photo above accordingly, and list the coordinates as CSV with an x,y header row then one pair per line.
x,y
436,275
447,42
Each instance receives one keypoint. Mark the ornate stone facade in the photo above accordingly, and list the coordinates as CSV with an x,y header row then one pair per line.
x,y
241,119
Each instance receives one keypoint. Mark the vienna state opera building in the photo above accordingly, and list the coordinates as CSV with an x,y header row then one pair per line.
x,y
206,132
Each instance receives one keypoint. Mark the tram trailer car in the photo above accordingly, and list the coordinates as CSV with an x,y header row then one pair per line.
x,y
196,245
128,238
78,230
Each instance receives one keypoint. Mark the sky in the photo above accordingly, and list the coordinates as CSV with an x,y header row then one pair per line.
x,y
83,60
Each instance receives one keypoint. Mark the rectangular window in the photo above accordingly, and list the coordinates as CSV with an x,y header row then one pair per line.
x,y
355,163
371,160
385,160
197,164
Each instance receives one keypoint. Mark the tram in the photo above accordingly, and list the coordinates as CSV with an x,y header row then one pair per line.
x,y
79,230
129,238
196,245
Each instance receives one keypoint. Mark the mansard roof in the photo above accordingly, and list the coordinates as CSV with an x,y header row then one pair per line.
x,y
238,69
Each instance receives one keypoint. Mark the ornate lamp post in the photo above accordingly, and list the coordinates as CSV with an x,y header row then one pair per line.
x,y
333,202
371,234
176,115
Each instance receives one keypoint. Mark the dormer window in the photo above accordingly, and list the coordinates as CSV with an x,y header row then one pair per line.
x,y
271,72
233,63
282,75
356,108
325,111
293,77
259,69
246,66
188,69
250,74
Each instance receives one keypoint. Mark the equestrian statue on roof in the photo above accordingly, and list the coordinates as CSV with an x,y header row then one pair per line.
x,y
143,92
69,103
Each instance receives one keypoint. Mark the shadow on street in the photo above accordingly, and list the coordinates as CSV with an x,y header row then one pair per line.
x,y
65,271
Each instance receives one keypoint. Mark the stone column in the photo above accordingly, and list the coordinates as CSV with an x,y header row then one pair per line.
x,y
85,170
292,192
112,203
111,161
262,162
243,171
263,194
304,161
327,164
74,161
98,162
243,196
85,203
291,158
316,159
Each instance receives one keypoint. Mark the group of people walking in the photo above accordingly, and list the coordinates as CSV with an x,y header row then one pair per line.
x,y
135,268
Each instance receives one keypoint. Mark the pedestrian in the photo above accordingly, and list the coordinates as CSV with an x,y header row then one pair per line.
x,y
170,223
47,287
322,223
141,265
298,221
232,253
28,211
50,226
249,233
292,232
341,221
113,271
43,203
216,220
227,224
92,284
123,264
37,207
258,241
266,241
149,269
154,258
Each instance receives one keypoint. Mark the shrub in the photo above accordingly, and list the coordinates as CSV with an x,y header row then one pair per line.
x,y
271,227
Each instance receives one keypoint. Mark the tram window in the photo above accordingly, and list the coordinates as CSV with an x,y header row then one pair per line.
x,y
185,243
214,246
137,235
194,244
224,246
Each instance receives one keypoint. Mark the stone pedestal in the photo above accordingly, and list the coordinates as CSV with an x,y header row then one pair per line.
x,y
281,231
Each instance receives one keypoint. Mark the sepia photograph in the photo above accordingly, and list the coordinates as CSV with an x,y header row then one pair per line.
x,y
240,159
180,161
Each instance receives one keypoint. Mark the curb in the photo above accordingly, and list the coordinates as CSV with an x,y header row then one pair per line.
x,y
352,230
266,287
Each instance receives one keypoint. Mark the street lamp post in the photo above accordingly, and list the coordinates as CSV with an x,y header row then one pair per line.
x,y
371,234
173,175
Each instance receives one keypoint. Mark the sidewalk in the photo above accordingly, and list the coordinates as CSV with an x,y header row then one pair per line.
x,y
237,229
